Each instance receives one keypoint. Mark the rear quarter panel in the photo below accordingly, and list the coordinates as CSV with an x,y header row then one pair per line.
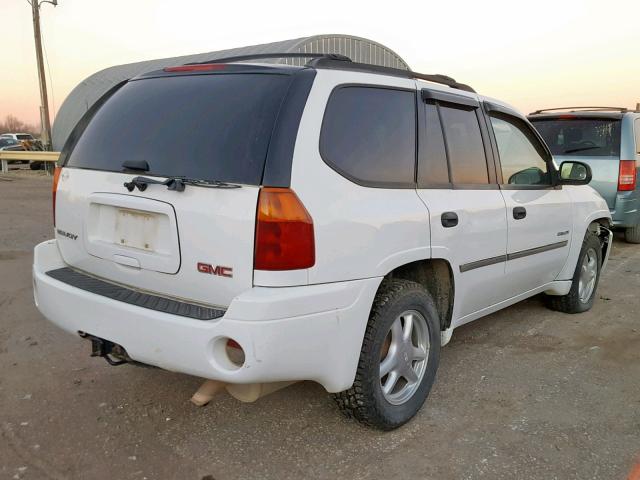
x,y
360,231
605,174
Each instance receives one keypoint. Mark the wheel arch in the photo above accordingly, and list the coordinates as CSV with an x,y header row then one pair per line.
x,y
602,228
436,276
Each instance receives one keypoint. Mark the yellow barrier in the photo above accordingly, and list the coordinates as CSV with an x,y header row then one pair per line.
x,y
30,156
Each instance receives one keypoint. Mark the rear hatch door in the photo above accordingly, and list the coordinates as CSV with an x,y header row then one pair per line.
x,y
589,139
195,244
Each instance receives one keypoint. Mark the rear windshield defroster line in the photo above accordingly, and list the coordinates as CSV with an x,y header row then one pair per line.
x,y
209,127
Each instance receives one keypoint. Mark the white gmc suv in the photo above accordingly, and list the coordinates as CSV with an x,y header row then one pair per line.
x,y
251,223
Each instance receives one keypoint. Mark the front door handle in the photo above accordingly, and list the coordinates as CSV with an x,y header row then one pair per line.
x,y
449,219
519,213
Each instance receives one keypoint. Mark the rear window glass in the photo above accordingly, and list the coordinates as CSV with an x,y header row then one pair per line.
x,y
369,135
590,137
210,127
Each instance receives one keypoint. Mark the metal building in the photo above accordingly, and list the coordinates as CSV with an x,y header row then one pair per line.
x,y
92,88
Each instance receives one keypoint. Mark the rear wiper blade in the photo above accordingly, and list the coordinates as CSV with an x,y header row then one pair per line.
x,y
573,150
176,183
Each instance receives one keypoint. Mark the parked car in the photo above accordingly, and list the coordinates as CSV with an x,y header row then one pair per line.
x,y
334,222
608,140
9,144
19,136
29,142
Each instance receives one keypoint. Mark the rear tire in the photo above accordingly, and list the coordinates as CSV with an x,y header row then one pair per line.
x,y
632,234
402,338
585,279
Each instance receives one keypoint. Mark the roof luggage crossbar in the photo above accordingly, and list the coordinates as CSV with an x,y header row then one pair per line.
x,y
574,109
396,72
257,56
342,62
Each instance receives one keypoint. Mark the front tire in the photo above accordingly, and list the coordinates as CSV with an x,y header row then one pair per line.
x,y
398,360
632,234
585,279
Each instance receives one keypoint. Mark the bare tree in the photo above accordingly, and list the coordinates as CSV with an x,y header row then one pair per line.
x,y
13,124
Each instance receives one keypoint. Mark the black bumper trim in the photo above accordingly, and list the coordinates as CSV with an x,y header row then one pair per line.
x,y
133,297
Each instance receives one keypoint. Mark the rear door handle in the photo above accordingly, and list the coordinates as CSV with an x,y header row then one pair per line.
x,y
449,219
519,213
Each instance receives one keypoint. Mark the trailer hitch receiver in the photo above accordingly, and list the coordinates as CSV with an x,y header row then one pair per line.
x,y
113,353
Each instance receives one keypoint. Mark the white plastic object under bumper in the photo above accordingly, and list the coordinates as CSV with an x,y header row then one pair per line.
x,y
310,332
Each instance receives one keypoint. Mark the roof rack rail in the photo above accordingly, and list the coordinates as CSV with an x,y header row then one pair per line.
x,y
342,62
257,56
396,72
575,109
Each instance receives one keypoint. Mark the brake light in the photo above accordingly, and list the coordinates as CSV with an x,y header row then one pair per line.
x,y
196,68
627,177
284,232
54,189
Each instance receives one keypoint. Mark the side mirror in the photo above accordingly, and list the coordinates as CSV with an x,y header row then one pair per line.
x,y
575,173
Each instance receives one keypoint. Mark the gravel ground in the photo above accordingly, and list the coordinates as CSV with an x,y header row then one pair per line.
x,y
525,393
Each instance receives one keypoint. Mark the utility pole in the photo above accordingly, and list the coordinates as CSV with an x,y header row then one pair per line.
x,y
44,100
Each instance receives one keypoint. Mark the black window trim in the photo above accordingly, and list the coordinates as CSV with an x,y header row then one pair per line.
x,y
515,117
437,97
351,178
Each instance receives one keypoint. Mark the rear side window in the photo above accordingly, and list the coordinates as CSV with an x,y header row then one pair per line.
x,y
210,127
369,135
590,137
464,142
637,129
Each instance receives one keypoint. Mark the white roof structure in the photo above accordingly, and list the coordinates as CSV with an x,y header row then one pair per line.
x,y
87,92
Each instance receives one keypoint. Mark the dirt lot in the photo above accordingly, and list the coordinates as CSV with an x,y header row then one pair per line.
x,y
523,394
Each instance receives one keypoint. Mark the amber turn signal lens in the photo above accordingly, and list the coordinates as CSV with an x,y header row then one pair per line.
x,y
284,232
54,189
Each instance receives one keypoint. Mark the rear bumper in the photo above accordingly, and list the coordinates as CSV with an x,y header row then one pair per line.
x,y
627,211
292,333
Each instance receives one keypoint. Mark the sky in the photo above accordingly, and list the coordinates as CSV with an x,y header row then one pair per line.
x,y
532,54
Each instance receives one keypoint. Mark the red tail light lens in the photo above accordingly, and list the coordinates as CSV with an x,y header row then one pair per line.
x,y
284,232
54,189
627,177
196,68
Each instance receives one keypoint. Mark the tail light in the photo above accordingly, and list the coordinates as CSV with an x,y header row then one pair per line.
x,y
56,177
284,232
627,176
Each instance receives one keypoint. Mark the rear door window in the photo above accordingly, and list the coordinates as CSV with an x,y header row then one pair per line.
x,y
369,135
467,158
210,127
578,136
